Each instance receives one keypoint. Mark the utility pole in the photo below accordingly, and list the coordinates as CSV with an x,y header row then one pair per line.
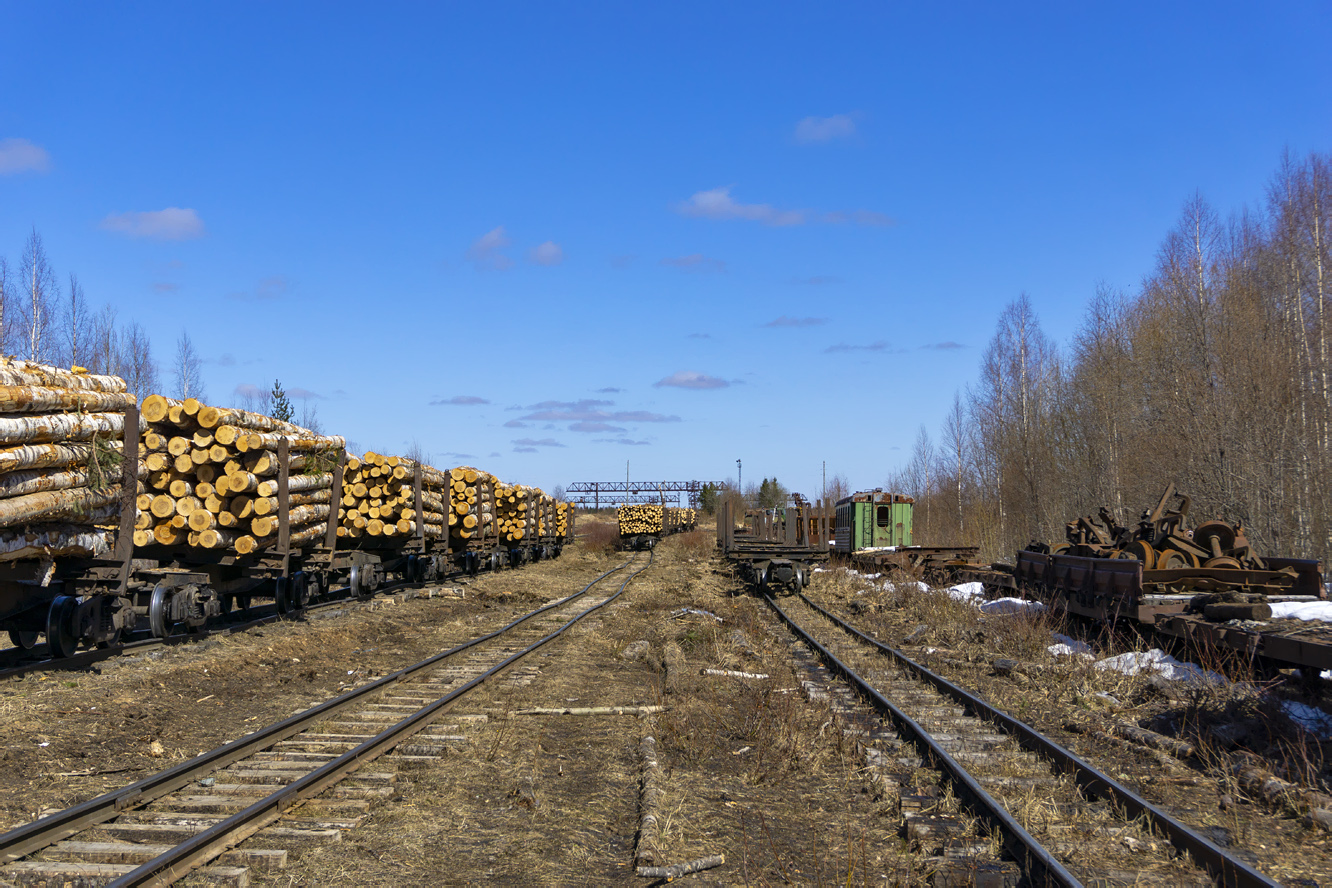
x,y
740,479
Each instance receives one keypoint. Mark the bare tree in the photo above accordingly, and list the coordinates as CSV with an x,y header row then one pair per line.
x,y
187,368
136,361
76,326
309,419
255,399
40,282
955,439
6,297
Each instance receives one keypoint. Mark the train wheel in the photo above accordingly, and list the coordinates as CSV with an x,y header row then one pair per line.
x,y
113,640
60,637
23,638
320,589
158,606
282,595
356,582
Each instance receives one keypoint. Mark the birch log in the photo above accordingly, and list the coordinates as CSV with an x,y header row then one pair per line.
x,y
34,399
43,456
62,427
31,373
77,504
42,541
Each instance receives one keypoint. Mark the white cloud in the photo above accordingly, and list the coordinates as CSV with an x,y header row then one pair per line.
x,y
718,204
485,252
548,253
303,394
22,156
173,223
691,379
825,129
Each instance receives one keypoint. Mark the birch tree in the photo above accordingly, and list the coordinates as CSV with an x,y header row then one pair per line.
x,y
39,284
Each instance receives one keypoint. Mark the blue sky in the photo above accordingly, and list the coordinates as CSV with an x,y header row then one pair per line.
x,y
556,237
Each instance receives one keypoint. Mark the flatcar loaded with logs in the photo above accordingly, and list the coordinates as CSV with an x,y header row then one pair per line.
x,y
642,526
115,515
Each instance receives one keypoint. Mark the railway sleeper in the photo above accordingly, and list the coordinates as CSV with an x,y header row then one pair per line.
x,y
287,837
93,875
262,859
202,804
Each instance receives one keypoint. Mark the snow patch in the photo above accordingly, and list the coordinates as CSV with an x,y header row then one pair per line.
x,y
1302,610
1311,718
1162,663
1067,647
966,591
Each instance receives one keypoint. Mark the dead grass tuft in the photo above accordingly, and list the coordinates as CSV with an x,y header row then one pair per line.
x,y
600,538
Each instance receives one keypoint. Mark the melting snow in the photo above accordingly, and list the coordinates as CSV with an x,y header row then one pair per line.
x,y
1160,662
1066,647
1311,718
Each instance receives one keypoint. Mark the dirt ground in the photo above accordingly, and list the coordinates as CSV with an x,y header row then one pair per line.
x,y
752,769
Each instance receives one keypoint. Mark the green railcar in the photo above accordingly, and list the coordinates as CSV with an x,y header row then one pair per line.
x,y
873,519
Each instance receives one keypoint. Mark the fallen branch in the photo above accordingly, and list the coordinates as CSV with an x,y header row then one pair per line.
x,y
649,802
731,673
675,871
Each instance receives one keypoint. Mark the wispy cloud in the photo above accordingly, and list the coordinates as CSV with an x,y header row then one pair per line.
x,y
304,394
458,401
785,321
523,450
165,287
22,156
609,390
485,253
624,260
594,427
817,280
267,290
537,442
878,346
590,410
695,262
625,441
549,253
717,203
691,379
825,129
942,346
455,455
516,424
173,223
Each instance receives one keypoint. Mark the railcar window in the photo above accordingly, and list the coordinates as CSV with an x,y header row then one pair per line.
x,y
881,516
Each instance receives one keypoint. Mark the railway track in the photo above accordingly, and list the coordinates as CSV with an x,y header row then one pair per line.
x,y
302,780
972,780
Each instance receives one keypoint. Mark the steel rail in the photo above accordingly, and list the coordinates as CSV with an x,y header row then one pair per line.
x,y
1024,846
198,850
31,837
1228,870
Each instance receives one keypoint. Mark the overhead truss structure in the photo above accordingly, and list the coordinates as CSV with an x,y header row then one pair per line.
x,y
596,494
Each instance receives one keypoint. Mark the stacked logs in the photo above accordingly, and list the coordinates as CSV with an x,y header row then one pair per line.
x,y
641,518
61,449
379,498
563,519
472,495
516,512
213,478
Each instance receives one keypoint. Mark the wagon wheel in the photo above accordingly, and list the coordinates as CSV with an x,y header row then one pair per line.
x,y
159,606
60,636
1143,551
282,595
1060,548
1170,559
1225,562
1222,532
23,638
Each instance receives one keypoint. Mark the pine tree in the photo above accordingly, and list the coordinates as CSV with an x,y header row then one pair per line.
x,y
282,408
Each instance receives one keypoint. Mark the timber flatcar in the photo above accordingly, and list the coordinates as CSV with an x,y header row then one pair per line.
x,y
173,515
643,526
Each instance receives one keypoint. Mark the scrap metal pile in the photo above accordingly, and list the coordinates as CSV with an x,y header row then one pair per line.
x,y
1161,540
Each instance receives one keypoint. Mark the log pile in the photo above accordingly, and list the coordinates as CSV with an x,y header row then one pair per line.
x,y
472,494
61,448
213,478
563,519
516,512
640,518
379,498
